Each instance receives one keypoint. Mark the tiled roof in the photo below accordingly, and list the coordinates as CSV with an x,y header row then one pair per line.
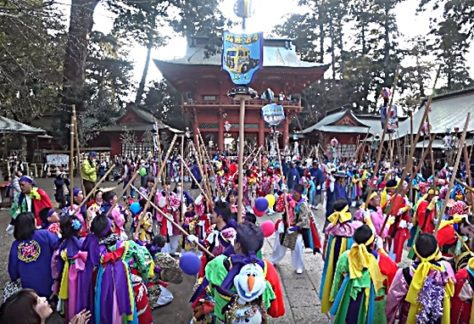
x,y
8,125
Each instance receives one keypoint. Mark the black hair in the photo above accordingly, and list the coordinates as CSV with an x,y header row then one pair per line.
x,y
362,234
159,240
249,217
339,205
20,308
108,196
426,245
150,179
99,223
232,193
142,203
299,188
250,237
67,231
222,209
97,191
43,214
24,226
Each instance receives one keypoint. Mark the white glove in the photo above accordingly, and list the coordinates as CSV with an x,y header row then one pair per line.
x,y
332,179
403,224
318,188
378,243
410,226
192,238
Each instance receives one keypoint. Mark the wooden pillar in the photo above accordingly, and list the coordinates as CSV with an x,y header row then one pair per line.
x,y
286,131
220,132
261,132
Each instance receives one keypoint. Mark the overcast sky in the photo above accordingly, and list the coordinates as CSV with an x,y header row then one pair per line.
x,y
269,13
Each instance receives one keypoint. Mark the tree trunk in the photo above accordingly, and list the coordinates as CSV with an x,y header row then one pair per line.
x,y
333,50
141,86
80,26
386,45
321,33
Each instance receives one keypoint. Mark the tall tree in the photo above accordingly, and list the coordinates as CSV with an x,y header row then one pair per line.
x,y
31,52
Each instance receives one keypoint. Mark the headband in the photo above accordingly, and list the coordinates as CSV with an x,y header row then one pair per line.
x,y
26,179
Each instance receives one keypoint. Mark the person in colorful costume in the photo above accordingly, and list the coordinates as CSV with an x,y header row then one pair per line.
x,y
462,301
114,295
33,199
398,206
339,235
30,255
455,239
426,212
336,190
363,285
70,263
376,215
423,291
170,204
242,288
298,222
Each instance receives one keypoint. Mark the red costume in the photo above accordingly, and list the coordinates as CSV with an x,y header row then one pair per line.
x,y
425,216
460,304
398,231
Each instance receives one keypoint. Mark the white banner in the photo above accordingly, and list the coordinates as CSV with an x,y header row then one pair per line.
x,y
57,159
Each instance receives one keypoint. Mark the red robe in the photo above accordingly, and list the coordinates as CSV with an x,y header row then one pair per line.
x,y
460,310
399,235
277,307
425,218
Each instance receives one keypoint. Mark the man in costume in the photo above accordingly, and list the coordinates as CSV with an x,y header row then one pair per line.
x,y
291,230
398,206
89,172
336,190
317,176
426,212
33,199
423,291
360,297
241,288
462,301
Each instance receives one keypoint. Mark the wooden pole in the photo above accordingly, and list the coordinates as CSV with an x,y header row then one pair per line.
x,y
78,148
124,189
382,139
455,170
241,160
171,220
71,156
197,183
181,177
468,163
208,191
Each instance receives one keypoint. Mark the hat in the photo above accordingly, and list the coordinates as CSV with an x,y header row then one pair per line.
x,y
26,179
92,154
391,184
51,212
76,191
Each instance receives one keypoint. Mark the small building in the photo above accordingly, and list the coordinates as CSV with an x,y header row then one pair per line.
x,y
204,86
135,133
346,127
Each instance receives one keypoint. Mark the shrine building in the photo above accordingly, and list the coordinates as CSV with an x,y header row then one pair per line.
x,y
204,85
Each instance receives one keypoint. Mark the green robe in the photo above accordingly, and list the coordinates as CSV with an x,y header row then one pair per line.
x,y
352,290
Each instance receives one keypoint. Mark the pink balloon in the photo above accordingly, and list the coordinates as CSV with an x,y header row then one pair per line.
x,y
268,228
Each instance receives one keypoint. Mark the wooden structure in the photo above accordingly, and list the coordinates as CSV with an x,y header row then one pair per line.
x,y
204,86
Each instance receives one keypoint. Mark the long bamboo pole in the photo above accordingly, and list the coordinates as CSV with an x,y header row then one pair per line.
x,y
197,183
241,160
382,140
455,170
171,220
96,186
124,189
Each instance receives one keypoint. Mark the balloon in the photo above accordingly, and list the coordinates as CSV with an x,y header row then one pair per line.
x,y
261,204
135,208
142,171
271,200
190,263
268,228
258,213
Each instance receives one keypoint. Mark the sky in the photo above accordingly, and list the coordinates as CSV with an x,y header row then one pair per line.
x,y
268,14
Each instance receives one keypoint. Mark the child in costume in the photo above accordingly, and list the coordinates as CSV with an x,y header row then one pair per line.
x,y
377,218
339,235
241,288
114,295
423,291
363,270
70,263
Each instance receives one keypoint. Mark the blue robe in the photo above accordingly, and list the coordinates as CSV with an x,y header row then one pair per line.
x,y
30,261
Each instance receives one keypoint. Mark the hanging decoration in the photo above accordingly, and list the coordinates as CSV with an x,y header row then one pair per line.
x,y
388,114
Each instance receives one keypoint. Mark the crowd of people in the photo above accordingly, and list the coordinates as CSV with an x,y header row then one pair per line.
x,y
394,249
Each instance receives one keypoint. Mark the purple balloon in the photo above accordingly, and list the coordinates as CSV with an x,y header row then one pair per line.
x,y
190,263
261,204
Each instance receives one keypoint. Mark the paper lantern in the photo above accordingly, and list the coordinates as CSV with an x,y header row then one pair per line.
x,y
268,228
190,263
261,204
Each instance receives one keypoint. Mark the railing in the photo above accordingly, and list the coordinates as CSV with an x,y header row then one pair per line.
x,y
230,102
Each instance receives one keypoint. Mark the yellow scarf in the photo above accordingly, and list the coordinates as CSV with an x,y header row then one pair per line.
x,y
63,290
340,217
417,283
360,259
